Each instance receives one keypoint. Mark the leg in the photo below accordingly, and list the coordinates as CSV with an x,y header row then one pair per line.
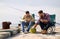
x,y
42,25
30,25
49,24
23,24
27,23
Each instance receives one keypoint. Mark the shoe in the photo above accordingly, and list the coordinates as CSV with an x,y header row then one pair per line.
x,y
25,32
44,32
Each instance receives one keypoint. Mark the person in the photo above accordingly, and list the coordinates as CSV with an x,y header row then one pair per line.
x,y
19,26
28,21
44,21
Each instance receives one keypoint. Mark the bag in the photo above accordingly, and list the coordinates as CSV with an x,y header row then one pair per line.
x,y
32,30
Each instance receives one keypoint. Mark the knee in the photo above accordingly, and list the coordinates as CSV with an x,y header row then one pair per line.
x,y
23,23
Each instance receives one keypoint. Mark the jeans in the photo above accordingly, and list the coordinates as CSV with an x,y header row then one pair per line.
x,y
28,24
45,26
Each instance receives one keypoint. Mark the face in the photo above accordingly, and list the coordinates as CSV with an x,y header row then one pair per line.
x,y
41,15
27,14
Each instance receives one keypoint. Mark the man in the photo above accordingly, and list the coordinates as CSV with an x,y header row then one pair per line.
x,y
43,21
28,21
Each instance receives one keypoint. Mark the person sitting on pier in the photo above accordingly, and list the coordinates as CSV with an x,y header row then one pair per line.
x,y
43,21
28,21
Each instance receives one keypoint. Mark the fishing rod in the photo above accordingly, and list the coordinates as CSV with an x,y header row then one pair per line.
x,y
16,9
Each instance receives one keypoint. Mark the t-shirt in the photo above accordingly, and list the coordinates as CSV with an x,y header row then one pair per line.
x,y
28,18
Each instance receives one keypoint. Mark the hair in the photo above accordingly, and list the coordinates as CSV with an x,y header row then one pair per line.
x,y
27,12
19,24
41,11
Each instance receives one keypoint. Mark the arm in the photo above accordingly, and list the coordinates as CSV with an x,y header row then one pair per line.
x,y
23,17
45,21
35,25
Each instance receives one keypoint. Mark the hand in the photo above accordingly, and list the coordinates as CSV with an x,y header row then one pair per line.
x,y
41,20
45,21
34,26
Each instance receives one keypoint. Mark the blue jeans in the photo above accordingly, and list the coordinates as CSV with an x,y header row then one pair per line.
x,y
28,24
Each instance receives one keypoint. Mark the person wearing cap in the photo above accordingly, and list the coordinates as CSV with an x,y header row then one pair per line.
x,y
44,21
28,21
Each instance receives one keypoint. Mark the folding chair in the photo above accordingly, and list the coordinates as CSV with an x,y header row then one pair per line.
x,y
52,20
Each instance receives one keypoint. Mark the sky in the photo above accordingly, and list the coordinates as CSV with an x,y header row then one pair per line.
x,y
54,3
13,10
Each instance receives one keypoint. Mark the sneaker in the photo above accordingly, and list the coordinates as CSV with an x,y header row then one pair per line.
x,y
25,32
